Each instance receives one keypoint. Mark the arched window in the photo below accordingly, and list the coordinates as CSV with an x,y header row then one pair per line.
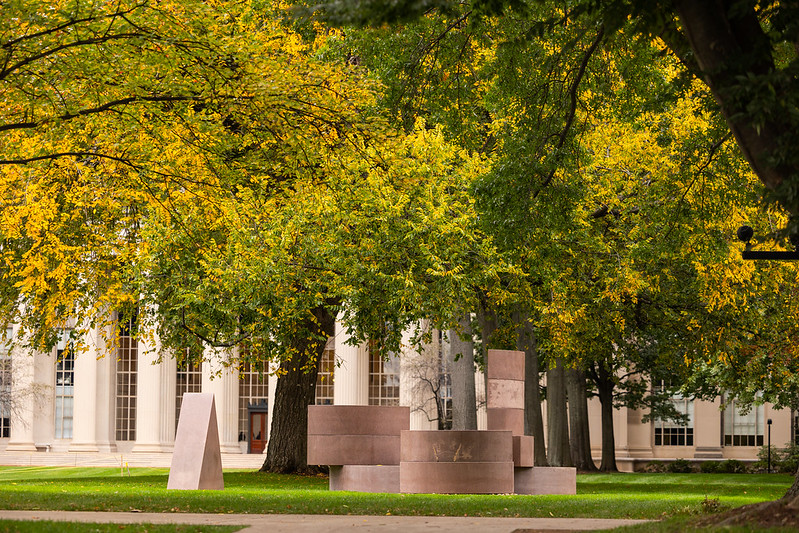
x,y
324,380
384,378
64,386
5,384
127,362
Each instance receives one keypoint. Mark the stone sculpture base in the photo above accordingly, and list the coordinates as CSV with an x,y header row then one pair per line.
x,y
545,480
365,478
448,462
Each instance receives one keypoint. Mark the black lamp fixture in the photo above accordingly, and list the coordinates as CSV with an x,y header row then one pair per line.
x,y
745,234
769,446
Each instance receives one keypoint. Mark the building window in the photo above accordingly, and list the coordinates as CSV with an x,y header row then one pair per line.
x,y
324,380
64,386
253,390
5,384
670,433
127,361
795,427
384,378
189,378
743,429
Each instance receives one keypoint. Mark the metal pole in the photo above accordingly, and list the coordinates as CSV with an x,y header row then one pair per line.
x,y
769,445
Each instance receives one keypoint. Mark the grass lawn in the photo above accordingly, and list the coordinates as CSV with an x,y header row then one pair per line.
x,y
652,496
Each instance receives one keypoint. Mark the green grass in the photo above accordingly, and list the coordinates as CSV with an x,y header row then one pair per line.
x,y
651,496
47,526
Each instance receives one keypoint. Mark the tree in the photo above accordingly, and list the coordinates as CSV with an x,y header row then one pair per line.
x,y
228,185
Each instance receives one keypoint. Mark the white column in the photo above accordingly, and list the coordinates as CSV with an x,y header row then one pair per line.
x,y
84,410
22,383
169,371
223,382
106,401
707,429
351,376
155,393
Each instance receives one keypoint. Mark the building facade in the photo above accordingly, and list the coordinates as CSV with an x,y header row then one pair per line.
x,y
122,399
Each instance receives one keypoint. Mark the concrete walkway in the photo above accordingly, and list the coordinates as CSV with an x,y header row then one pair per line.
x,y
132,459
276,523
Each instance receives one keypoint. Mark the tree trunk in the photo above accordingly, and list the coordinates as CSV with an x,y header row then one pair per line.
x,y
730,47
295,391
461,353
488,325
605,386
792,496
558,452
533,421
579,433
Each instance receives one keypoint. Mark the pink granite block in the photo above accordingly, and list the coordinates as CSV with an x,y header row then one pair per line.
x,y
523,452
506,419
545,480
456,446
505,393
505,364
365,478
196,459
357,420
353,450
456,478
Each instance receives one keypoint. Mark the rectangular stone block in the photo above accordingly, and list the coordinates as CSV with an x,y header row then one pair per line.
x,y
523,452
545,480
456,478
456,446
506,419
357,420
505,393
505,364
353,450
365,478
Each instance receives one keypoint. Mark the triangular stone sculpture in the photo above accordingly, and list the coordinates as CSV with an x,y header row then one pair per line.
x,y
196,460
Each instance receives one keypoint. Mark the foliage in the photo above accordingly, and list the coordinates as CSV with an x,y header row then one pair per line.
x,y
732,466
680,466
784,460
225,181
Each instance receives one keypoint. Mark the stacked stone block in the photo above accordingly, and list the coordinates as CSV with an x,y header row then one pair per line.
x,y
360,443
372,449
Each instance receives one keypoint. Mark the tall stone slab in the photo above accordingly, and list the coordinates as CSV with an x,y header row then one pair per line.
x,y
505,399
197,461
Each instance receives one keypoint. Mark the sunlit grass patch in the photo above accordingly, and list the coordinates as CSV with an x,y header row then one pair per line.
x,y
652,496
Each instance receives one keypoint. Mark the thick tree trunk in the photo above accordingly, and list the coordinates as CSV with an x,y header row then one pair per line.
x,y
579,433
488,325
729,47
605,387
792,496
558,452
533,420
461,352
295,391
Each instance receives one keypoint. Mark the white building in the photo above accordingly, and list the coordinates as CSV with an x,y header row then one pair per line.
x,y
122,402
